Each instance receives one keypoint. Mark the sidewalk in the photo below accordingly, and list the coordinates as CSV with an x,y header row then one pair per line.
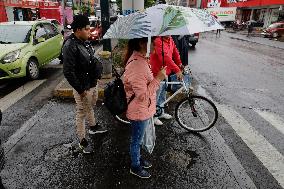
x,y
256,38
64,89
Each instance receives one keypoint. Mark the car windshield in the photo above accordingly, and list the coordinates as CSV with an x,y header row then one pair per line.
x,y
273,26
15,33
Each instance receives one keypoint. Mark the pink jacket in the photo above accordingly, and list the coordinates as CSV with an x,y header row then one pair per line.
x,y
171,56
138,79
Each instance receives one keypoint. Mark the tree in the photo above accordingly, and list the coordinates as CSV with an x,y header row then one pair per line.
x,y
147,3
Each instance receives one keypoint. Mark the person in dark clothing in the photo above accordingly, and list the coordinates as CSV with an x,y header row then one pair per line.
x,y
82,70
250,28
182,44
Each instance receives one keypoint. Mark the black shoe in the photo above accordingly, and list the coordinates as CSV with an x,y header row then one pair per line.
x,y
85,146
97,129
145,164
139,172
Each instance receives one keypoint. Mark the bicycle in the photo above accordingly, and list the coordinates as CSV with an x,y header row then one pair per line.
x,y
191,112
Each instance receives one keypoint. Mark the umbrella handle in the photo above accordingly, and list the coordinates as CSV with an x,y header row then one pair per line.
x,y
148,46
163,55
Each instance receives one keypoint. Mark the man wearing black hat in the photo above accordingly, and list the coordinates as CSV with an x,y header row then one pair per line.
x,y
82,70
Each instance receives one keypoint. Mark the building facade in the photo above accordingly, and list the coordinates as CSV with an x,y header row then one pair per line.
x,y
28,10
264,12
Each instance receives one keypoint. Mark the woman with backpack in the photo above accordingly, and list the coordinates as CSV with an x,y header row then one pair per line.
x,y
140,83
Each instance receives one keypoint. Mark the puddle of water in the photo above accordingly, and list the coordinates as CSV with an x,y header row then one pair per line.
x,y
193,156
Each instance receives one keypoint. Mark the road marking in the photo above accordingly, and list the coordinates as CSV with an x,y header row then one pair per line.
x,y
240,174
21,133
264,151
19,93
273,119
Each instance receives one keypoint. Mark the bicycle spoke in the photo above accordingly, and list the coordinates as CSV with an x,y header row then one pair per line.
x,y
196,114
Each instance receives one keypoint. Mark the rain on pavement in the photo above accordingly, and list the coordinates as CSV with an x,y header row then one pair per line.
x,y
244,79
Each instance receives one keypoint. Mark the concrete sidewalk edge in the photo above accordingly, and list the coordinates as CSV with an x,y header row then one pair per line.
x,y
242,38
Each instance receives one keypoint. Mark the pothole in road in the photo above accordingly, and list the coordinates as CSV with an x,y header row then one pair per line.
x,y
181,160
57,152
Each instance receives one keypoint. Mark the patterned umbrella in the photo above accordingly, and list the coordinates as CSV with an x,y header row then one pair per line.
x,y
162,20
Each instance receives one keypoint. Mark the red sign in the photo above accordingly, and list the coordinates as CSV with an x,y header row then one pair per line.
x,y
253,3
31,4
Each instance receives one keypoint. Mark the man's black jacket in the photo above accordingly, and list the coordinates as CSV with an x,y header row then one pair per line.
x,y
80,67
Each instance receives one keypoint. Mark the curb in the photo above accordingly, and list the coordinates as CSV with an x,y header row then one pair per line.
x,y
256,42
68,92
63,92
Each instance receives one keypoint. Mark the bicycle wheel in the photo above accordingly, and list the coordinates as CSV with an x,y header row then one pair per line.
x,y
196,113
122,119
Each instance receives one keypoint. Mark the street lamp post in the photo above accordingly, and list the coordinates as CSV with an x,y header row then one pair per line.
x,y
105,23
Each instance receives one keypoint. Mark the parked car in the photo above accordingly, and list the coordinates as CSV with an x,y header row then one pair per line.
x,y
26,46
274,30
193,39
96,30
2,158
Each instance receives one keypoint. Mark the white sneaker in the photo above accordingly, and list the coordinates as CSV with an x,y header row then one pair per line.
x,y
157,121
165,116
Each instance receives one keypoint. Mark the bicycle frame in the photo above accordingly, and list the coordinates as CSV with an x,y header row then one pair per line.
x,y
177,92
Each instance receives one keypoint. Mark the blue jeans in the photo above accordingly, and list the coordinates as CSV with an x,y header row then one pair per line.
x,y
138,130
161,94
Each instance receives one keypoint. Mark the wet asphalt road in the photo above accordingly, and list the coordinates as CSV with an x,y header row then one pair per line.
x,y
241,75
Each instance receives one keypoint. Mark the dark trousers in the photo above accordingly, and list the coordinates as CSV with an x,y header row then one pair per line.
x,y
1,185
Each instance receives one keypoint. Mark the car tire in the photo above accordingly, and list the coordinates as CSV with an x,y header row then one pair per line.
x,y
32,69
275,35
193,45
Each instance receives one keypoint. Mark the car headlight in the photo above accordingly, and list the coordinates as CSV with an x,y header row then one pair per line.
x,y
11,57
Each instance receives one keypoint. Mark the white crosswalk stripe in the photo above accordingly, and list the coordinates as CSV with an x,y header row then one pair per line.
x,y
264,151
19,93
273,119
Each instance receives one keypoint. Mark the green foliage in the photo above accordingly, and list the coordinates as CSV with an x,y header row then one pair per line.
x,y
147,3
118,53
173,18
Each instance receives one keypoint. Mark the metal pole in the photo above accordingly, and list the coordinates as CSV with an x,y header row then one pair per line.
x,y
105,23
73,7
163,55
63,11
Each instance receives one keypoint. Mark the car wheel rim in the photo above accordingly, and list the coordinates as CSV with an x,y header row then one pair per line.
x,y
33,69
275,34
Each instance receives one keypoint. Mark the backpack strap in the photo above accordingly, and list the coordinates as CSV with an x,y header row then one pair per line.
x,y
133,96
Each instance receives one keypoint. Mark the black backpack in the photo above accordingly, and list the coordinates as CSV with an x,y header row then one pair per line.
x,y
115,97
